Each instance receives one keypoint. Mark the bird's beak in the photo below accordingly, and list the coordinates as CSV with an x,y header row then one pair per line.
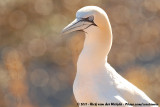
x,y
76,25
73,26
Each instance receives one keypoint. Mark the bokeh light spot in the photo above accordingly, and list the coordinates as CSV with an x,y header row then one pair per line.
x,y
37,47
17,19
44,7
39,78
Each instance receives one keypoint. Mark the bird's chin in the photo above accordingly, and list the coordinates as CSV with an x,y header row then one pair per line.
x,y
81,31
74,31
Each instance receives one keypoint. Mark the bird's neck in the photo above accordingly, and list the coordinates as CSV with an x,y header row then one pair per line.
x,y
96,48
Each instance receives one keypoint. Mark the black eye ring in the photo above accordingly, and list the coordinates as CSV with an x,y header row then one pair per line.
x,y
90,18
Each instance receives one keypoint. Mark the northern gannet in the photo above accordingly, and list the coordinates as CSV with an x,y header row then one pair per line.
x,y
96,81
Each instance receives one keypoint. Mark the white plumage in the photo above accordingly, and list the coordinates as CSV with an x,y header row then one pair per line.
x,y
96,81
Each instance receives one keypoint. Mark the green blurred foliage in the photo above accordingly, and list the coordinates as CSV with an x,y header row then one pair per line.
x,y
37,66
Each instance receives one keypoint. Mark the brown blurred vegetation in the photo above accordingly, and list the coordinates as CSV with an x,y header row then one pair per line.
x,y
37,66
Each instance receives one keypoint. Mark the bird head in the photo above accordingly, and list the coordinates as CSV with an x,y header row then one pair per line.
x,y
86,17
98,33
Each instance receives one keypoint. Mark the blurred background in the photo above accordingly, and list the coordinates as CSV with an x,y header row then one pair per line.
x,y
38,67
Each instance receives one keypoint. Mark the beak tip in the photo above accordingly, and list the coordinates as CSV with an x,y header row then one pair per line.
x,y
73,26
63,32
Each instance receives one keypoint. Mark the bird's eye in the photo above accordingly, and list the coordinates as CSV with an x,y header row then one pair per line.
x,y
90,18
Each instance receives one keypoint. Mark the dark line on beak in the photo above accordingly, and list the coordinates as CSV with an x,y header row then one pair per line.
x,y
82,31
70,28
76,23
83,19
73,25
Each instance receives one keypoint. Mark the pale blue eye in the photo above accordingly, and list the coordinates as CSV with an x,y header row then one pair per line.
x,y
91,18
